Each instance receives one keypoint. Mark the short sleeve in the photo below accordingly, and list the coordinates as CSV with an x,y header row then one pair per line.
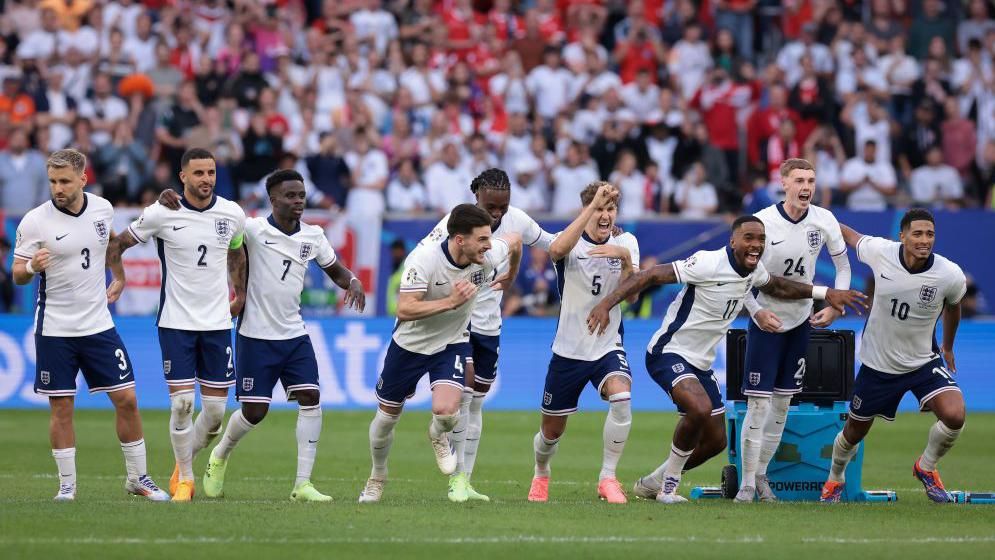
x,y
834,237
870,249
535,236
632,244
28,241
695,269
325,256
415,275
148,224
760,275
438,233
956,288
499,252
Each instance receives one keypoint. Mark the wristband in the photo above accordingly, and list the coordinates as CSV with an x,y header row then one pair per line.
x,y
29,268
819,292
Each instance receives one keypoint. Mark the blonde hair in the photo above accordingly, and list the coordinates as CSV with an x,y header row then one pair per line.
x,y
61,159
792,164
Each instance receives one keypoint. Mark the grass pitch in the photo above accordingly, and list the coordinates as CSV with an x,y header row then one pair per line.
x,y
415,520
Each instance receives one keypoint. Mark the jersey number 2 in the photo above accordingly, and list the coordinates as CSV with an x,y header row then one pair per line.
x,y
203,255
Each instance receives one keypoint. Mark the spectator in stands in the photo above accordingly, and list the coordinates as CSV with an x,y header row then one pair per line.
x,y
936,184
636,199
549,86
176,122
973,75
870,121
812,99
790,58
868,181
930,23
764,123
782,146
527,191
569,178
448,180
141,46
123,163
958,137
248,82
23,176
901,72
916,140
689,61
737,15
614,138
58,114
103,110
978,24
825,150
40,43
164,75
693,196
16,106
641,96
262,149
405,193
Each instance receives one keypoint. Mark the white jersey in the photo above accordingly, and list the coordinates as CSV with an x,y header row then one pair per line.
x,y
432,270
72,295
695,323
193,252
583,281
277,267
898,336
791,252
486,316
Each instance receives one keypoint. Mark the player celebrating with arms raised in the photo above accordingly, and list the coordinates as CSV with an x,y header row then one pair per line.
x,y
913,286
777,341
439,284
589,264
679,356
493,191
65,242
199,246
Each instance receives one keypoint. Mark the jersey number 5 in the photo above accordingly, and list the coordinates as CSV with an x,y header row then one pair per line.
x,y
596,285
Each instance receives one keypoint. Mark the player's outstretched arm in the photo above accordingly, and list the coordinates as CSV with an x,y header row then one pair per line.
x,y
355,296
598,320
951,320
238,272
850,236
839,299
412,306
565,242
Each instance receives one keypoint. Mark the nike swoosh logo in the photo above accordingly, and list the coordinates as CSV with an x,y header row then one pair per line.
x,y
312,441
776,242
381,447
229,374
752,428
441,283
583,258
60,237
721,283
124,376
270,242
885,277
779,423
178,228
623,441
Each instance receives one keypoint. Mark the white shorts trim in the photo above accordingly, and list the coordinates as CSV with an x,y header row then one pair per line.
x,y
609,376
787,391
869,418
715,412
468,359
215,384
446,382
175,382
113,388
682,377
265,400
925,400
755,393
564,412
302,386
484,381
61,393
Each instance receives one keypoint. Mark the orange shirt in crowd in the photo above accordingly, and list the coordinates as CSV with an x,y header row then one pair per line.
x,y
18,109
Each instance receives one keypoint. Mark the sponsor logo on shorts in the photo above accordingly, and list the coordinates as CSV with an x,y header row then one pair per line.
x,y
547,398
45,377
754,378
167,366
307,249
678,368
855,404
248,383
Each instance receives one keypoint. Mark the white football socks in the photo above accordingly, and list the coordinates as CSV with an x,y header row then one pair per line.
x,y
773,430
181,431
442,424
308,432
843,451
544,450
941,439
751,437
616,431
65,461
474,426
207,426
381,437
672,467
237,427
458,436
135,459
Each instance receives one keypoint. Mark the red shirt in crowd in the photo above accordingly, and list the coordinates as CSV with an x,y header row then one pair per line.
x,y
719,105
641,56
762,125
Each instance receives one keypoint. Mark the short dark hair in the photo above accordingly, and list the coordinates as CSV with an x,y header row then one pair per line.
x,y
914,215
494,179
465,217
195,153
281,175
587,195
745,220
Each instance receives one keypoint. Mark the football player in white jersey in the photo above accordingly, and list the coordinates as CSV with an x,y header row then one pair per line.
x,y
679,356
197,245
777,339
273,344
913,287
439,284
493,191
589,264
64,242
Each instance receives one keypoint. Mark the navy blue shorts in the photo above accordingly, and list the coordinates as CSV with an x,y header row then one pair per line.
x,y
484,357
670,369
565,380
102,357
876,393
403,369
775,362
261,363
197,356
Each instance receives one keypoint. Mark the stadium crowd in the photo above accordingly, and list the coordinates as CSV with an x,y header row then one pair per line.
x,y
689,107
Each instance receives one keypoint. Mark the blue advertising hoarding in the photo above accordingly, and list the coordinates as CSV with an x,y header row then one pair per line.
x,y
351,351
